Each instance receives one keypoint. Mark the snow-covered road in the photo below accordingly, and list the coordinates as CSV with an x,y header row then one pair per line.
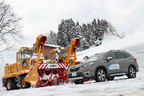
x,y
119,87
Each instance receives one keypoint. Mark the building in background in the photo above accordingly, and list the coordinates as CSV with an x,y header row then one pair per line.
x,y
47,49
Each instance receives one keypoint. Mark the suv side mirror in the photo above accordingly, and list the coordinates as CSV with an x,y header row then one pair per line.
x,y
109,58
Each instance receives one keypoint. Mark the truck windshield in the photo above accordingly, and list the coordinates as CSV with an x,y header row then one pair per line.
x,y
95,57
28,54
53,56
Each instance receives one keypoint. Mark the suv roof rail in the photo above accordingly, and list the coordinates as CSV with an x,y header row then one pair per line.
x,y
118,50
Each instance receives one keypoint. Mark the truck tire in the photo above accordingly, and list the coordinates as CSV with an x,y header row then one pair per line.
x,y
131,72
25,84
10,84
100,75
79,81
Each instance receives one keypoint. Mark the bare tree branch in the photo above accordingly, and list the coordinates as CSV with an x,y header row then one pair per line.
x,y
9,27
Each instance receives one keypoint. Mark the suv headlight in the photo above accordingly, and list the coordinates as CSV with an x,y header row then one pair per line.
x,y
87,65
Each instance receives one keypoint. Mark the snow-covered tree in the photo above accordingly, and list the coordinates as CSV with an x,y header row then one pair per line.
x,y
9,26
66,31
77,30
52,38
112,31
90,34
84,44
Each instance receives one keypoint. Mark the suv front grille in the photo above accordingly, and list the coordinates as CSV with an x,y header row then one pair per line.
x,y
74,69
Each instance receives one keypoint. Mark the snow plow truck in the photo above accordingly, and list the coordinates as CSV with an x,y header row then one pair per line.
x,y
32,70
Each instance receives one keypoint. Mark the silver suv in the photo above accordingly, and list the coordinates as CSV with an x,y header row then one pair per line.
x,y
104,66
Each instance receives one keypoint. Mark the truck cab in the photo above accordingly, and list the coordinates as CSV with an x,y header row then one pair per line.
x,y
23,58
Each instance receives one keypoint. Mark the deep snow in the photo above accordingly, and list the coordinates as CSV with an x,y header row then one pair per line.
x,y
121,86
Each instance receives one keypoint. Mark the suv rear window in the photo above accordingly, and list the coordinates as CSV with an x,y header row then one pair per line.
x,y
120,55
127,54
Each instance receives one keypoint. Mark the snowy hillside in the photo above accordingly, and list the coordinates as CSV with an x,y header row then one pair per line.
x,y
121,86
138,52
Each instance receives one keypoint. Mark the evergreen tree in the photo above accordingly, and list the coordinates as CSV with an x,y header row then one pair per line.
x,y
52,38
66,31
90,34
77,31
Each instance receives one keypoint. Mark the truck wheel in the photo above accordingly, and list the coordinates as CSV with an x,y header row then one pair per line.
x,y
79,81
10,85
100,75
110,78
131,72
25,84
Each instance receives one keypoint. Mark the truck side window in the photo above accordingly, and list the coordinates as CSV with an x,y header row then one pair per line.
x,y
24,63
120,55
53,55
19,56
111,54
46,57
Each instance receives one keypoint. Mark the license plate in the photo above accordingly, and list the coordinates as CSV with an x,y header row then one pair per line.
x,y
52,66
74,74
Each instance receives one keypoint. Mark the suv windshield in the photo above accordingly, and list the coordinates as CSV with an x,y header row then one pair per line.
x,y
96,57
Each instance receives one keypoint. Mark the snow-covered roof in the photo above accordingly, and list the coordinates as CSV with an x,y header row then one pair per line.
x,y
51,45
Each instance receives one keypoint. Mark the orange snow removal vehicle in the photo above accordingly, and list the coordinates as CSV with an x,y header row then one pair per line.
x,y
32,70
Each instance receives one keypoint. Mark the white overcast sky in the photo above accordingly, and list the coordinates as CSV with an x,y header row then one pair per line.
x,y
41,16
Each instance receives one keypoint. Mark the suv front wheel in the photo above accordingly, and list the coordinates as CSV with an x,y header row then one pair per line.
x,y
100,75
131,72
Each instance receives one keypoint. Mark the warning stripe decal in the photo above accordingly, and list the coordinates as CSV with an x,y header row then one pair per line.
x,y
59,65
52,65
62,65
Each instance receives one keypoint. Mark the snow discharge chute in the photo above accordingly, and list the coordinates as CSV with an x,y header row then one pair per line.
x,y
32,76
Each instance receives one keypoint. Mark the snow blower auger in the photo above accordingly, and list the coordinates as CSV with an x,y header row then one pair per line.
x,y
52,74
31,69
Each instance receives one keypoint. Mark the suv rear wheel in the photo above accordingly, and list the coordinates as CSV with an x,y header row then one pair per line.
x,y
100,75
131,72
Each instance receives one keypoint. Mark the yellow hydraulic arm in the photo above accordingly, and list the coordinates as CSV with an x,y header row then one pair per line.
x,y
71,52
32,76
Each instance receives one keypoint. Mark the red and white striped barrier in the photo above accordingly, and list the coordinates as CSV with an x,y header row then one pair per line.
x,y
52,65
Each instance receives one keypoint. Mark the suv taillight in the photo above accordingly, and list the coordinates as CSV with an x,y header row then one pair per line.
x,y
135,59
